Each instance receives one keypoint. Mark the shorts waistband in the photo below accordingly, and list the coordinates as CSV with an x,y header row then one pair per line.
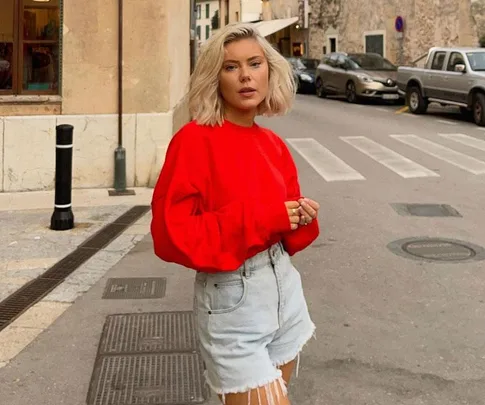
x,y
265,258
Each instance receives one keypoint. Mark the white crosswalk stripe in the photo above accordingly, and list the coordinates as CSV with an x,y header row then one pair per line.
x,y
399,164
465,140
451,156
325,163
333,168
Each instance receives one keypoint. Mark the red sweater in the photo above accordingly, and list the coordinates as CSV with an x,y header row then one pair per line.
x,y
220,197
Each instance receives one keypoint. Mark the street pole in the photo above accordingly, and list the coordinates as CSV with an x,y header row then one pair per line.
x,y
120,151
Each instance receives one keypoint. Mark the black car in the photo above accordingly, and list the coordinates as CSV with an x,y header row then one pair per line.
x,y
304,70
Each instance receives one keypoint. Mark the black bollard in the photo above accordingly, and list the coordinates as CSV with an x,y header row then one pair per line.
x,y
63,219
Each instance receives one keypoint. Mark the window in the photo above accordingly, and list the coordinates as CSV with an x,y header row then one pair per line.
x,y
438,60
207,31
207,10
198,32
29,46
374,43
199,12
455,59
333,44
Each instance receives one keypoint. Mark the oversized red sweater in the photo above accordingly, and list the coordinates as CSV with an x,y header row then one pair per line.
x,y
220,197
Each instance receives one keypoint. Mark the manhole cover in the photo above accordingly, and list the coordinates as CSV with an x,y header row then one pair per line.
x,y
425,210
437,249
135,288
175,378
149,333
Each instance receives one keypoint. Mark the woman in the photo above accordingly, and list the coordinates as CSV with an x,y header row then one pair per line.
x,y
228,205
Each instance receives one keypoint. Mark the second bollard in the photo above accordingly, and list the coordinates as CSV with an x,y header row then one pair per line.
x,y
63,219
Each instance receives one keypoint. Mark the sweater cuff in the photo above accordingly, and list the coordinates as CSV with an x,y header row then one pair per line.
x,y
278,219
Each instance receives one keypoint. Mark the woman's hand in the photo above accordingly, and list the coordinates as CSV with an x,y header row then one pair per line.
x,y
308,210
293,208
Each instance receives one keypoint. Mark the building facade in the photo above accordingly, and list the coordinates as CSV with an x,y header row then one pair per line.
x,y
207,19
59,63
356,26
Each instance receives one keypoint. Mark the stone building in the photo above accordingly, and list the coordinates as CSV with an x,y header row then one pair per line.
x,y
59,63
357,26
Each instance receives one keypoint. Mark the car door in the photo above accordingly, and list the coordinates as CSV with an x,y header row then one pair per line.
x,y
341,74
328,73
433,79
455,84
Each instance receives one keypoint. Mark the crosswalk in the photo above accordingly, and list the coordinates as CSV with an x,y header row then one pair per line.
x,y
333,168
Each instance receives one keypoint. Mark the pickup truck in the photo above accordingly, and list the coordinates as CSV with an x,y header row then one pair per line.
x,y
451,76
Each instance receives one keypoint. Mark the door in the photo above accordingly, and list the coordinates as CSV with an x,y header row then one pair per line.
x,y
433,79
328,75
341,74
455,84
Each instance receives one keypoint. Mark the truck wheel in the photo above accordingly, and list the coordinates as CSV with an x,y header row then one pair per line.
x,y
319,88
415,100
479,109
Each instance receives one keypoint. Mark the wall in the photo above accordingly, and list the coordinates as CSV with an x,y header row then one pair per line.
x,y
428,23
203,21
156,73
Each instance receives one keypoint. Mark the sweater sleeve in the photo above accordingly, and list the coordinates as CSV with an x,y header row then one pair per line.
x,y
209,241
299,239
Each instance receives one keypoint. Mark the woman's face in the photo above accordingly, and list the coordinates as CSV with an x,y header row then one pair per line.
x,y
244,75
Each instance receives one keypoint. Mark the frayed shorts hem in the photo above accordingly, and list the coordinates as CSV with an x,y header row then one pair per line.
x,y
246,388
294,354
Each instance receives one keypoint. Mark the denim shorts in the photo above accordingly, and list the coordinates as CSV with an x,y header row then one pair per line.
x,y
251,321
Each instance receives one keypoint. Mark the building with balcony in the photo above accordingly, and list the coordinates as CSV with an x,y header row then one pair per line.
x,y
59,63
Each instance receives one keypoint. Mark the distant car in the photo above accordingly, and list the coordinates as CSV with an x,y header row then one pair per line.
x,y
357,76
304,71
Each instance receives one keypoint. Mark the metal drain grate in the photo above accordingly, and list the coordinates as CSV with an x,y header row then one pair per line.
x,y
68,264
28,295
148,379
24,298
132,215
149,333
135,288
104,237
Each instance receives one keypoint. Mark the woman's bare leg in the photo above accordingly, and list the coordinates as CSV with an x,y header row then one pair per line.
x,y
287,370
271,394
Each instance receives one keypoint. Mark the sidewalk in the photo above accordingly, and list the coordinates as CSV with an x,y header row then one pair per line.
x,y
48,354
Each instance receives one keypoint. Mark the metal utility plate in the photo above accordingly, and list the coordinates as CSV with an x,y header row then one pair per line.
x,y
425,210
437,250
157,379
150,332
135,288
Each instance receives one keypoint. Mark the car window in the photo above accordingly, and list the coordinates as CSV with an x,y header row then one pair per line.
x,y
456,58
438,61
476,61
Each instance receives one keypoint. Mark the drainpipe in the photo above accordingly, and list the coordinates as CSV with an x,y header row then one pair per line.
x,y
120,151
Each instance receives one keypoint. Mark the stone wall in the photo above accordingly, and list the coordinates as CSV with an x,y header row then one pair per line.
x,y
427,23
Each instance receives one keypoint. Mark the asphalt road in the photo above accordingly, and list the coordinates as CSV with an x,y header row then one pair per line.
x,y
390,329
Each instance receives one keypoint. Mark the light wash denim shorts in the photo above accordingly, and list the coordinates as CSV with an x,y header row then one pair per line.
x,y
251,321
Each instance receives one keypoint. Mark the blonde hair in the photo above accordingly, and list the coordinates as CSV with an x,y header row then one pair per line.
x,y
205,102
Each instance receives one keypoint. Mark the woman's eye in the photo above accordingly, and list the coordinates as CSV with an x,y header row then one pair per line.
x,y
256,64
230,67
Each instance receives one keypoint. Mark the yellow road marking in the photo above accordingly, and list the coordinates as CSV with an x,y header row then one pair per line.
x,y
403,109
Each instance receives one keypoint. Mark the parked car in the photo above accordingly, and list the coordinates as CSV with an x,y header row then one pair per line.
x,y
304,71
451,76
357,76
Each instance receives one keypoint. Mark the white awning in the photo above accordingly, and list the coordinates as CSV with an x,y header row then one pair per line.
x,y
269,27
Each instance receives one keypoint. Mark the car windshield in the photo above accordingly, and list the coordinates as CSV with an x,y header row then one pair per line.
x,y
370,62
476,60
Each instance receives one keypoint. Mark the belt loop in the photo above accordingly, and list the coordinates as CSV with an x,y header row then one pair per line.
x,y
246,272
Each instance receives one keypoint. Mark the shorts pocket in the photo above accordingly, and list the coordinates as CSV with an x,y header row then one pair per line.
x,y
226,295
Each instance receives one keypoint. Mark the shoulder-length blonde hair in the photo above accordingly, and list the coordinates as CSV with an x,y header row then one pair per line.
x,y
205,102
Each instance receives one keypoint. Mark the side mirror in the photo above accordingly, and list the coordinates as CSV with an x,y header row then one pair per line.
x,y
460,68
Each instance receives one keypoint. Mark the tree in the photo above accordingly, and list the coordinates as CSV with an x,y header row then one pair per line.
x,y
215,20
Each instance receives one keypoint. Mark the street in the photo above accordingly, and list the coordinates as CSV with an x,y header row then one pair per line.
x,y
392,329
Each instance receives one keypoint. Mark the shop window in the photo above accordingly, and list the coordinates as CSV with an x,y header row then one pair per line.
x,y
29,46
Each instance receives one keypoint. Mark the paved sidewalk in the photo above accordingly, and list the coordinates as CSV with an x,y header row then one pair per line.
x,y
28,248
